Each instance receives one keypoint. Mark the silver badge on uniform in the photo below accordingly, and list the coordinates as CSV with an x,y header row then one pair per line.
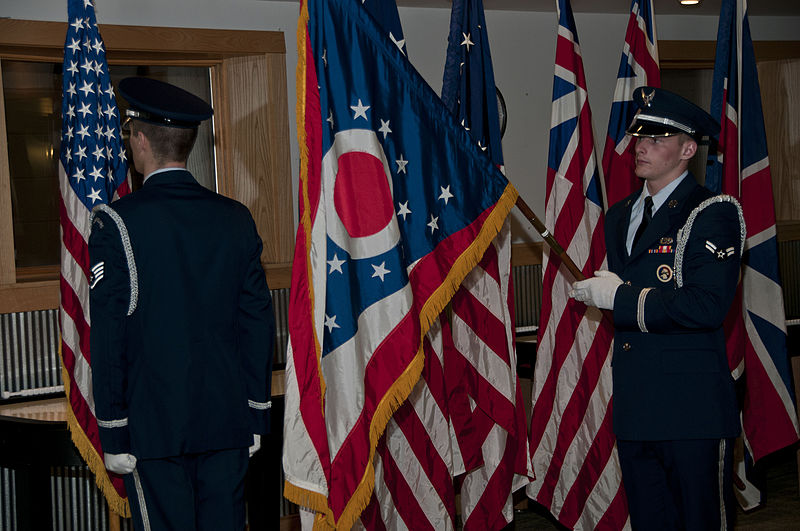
x,y
664,273
98,271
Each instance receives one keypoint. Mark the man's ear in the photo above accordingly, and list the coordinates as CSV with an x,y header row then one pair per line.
x,y
688,149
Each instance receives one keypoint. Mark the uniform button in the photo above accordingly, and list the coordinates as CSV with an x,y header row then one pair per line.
x,y
628,283
626,347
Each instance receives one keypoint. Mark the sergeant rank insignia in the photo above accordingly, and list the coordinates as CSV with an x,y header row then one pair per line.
x,y
98,271
720,254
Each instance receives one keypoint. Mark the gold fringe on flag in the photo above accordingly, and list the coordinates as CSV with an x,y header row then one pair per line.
x,y
116,503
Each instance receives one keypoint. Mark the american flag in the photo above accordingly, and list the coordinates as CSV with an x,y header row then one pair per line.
x,y
490,426
389,227
92,170
573,448
638,67
755,327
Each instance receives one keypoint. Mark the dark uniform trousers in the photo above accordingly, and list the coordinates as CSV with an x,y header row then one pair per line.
x,y
675,409
159,490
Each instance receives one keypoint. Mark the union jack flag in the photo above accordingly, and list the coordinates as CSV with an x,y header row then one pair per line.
x,y
755,327
92,170
390,224
638,67
573,448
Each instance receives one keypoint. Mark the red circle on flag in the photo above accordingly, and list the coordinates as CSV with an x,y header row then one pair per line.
x,y
361,194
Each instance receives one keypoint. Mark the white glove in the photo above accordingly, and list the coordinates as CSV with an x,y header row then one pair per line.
x,y
597,291
256,444
120,463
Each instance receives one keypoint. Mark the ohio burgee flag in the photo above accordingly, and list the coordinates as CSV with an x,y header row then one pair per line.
x,y
397,204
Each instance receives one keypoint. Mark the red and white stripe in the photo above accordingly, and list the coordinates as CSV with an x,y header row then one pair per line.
x,y
578,478
414,462
494,439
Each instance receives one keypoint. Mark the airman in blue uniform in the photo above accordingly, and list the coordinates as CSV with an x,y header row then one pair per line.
x,y
182,327
674,253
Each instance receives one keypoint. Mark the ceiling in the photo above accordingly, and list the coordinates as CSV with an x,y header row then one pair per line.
x,y
664,7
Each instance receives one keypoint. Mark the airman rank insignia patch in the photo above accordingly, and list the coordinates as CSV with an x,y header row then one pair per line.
x,y
98,271
720,254
664,273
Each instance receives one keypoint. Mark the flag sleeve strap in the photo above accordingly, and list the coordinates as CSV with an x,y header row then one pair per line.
x,y
109,298
706,271
256,322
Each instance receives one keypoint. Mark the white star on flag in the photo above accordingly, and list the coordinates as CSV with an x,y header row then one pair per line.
x,y
336,264
446,195
399,44
330,118
401,164
84,110
96,172
384,128
94,196
380,270
404,211
434,223
330,323
360,110
467,42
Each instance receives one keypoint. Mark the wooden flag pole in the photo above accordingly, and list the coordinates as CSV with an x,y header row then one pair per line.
x,y
549,239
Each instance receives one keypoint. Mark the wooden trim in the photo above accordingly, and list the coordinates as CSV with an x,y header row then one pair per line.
x,y
162,40
44,294
261,174
279,276
788,231
686,54
29,297
700,54
38,273
528,253
7,262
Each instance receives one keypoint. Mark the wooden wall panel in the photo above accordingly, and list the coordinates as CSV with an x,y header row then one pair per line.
x,y
8,273
257,150
780,87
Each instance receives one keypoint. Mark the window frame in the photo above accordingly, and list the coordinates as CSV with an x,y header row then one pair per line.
x,y
249,96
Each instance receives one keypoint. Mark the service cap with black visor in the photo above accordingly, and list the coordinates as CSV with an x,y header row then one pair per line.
x,y
161,103
663,113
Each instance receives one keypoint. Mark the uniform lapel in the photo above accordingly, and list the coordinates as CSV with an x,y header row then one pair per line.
x,y
665,218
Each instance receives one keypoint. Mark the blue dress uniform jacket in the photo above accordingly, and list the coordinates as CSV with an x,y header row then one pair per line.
x,y
670,370
182,321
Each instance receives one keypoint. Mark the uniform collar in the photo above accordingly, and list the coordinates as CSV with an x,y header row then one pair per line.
x,y
168,175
